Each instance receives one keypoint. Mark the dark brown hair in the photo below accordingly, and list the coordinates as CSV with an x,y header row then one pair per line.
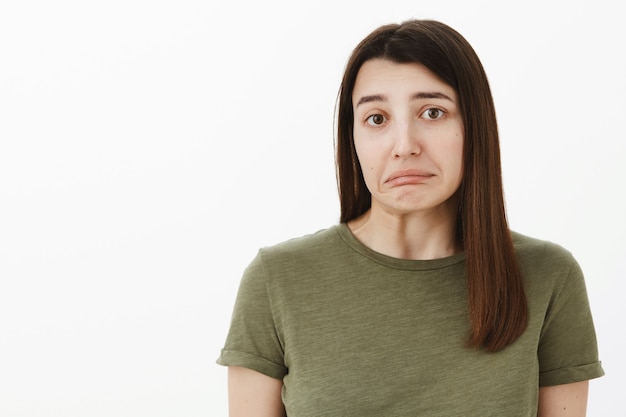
x,y
498,311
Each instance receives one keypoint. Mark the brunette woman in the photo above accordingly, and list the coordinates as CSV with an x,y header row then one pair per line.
x,y
421,301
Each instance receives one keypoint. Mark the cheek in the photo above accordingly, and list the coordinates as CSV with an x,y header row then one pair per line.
x,y
367,161
457,162
362,157
449,157
368,167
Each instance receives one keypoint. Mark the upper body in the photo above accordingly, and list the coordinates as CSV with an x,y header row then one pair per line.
x,y
352,332
422,301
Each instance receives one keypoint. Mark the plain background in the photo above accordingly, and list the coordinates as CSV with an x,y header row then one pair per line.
x,y
149,148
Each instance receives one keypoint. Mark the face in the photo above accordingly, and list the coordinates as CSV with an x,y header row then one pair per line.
x,y
408,134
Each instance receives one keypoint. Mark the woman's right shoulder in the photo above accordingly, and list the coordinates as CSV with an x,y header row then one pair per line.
x,y
308,244
296,258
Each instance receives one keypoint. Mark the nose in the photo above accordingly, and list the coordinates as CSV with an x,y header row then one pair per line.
x,y
405,141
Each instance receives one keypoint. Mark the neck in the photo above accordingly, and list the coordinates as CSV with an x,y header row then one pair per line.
x,y
419,236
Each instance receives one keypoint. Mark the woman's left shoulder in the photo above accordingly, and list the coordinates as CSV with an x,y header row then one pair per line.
x,y
538,252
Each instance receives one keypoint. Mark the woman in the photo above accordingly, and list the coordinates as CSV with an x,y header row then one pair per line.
x,y
421,301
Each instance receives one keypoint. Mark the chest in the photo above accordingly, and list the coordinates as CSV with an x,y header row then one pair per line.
x,y
396,347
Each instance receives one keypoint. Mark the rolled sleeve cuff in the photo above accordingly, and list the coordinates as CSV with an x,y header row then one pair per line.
x,y
254,362
570,375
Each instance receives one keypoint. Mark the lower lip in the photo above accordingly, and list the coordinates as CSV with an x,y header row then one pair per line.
x,y
409,179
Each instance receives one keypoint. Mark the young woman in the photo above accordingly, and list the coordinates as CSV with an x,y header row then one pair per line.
x,y
421,301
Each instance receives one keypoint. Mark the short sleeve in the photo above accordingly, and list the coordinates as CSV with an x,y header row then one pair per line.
x,y
568,349
252,340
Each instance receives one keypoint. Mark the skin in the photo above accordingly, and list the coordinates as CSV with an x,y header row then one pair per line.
x,y
252,394
567,400
406,121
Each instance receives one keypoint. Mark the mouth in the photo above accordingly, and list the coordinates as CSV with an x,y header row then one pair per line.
x,y
410,176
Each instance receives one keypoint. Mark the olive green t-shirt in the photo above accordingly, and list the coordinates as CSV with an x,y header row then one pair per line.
x,y
354,333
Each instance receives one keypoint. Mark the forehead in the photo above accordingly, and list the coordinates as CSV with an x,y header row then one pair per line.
x,y
381,76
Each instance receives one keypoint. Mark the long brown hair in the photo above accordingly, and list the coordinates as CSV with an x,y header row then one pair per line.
x,y
498,311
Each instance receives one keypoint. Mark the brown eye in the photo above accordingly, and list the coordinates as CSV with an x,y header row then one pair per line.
x,y
375,120
433,114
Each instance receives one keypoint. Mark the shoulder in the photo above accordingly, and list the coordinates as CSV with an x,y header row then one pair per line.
x,y
303,250
546,266
291,257
289,265
303,244
530,249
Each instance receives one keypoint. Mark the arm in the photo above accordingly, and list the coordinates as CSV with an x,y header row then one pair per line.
x,y
252,394
567,400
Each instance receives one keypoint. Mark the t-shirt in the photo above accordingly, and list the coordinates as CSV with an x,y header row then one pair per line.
x,y
355,333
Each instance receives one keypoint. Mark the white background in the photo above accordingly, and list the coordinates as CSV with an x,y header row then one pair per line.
x,y
149,148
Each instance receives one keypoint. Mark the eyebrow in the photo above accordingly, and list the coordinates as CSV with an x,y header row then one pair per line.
x,y
416,96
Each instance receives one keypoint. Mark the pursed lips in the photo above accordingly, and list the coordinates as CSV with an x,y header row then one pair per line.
x,y
409,176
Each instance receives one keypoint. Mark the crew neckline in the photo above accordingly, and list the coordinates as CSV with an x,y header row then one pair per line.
x,y
396,263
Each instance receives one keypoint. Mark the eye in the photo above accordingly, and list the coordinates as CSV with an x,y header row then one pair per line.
x,y
433,114
376,120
